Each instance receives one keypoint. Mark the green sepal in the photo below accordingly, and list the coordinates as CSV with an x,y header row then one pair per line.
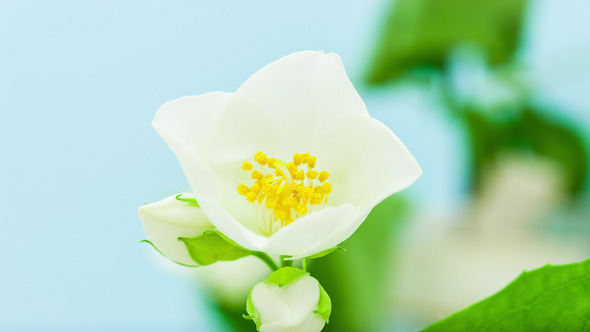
x,y
161,253
191,201
212,246
252,313
324,305
325,252
551,298
284,276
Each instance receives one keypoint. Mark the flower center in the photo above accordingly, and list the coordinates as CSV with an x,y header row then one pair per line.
x,y
285,191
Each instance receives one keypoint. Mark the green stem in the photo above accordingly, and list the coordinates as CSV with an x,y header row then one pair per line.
x,y
304,264
285,261
266,258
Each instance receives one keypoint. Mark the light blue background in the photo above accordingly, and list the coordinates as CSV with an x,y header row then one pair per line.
x,y
79,85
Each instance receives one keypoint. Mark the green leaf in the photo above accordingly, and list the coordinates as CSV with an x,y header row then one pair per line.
x,y
285,275
211,247
552,298
324,305
325,252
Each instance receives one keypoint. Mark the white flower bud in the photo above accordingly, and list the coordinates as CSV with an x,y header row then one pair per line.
x,y
170,218
289,300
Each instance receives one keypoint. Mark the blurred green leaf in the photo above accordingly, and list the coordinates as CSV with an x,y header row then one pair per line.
x,y
359,279
420,33
491,135
232,317
552,298
561,143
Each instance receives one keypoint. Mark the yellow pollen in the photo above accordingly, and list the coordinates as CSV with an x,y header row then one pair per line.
x,y
256,175
243,189
260,158
246,166
327,187
288,190
251,197
271,162
317,198
311,161
300,175
256,188
297,159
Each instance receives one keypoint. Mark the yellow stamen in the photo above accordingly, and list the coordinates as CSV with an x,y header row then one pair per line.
x,y
286,189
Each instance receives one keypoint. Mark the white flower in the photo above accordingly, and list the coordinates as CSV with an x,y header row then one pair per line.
x,y
289,300
301,106
170,218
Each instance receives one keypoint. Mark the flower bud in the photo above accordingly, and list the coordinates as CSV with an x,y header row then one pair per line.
x,y
170,218
289,300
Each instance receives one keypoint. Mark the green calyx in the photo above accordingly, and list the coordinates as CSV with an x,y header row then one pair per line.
x,y
252,313
324,305
191,201
285,276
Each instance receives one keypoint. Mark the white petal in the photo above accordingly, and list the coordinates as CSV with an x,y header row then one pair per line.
x,y
291,304
269,304
302,296
313,323
187,125
302,94
244,128
276,327
316,231
366,161
245,131
232,228
193,119
306,236
168,219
